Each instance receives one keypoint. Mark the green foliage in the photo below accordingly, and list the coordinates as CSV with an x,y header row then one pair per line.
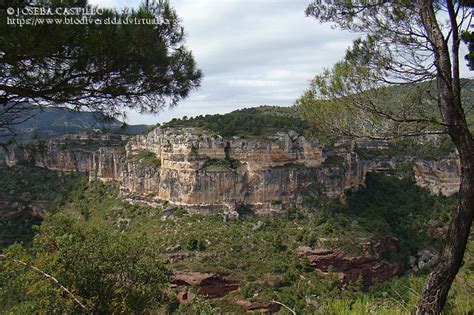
x,y
247,122
17,226
195,244
468,38
221,164
243,210
398,206
148,158
199,306
403,148
97,66
108,271
278,245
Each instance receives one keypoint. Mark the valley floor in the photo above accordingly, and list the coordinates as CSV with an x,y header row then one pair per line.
x,y
249,263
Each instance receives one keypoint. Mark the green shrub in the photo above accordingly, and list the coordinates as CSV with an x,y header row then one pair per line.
x,y
147,157
108,271
278,244
221,164
195,244
243,210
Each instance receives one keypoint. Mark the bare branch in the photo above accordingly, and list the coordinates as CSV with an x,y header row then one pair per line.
x,y
48,277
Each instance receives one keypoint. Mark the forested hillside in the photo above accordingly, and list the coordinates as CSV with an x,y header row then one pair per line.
x,y
87,228
247,122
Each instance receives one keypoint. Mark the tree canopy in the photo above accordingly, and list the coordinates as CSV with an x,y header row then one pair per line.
x,y
101,66
385,85
405,42
468,37
95,269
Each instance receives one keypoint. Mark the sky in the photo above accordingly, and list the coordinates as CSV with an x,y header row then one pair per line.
x,y
251,52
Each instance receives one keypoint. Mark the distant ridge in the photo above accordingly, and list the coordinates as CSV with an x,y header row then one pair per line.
x,y
247,122
53,122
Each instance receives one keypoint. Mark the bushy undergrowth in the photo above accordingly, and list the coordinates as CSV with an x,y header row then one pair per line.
x,y
104,271
262,256
22,186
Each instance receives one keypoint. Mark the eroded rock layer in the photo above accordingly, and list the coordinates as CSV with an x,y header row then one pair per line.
x,y
367,267
205,172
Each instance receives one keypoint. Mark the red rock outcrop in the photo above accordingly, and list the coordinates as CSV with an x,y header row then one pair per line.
x,y
261,307
369,266
208,285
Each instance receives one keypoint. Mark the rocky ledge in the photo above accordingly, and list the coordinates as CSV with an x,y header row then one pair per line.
x,y
211,286
368,268
207,284
191,168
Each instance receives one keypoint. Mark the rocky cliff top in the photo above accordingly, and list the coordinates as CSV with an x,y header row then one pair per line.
x,y
194,168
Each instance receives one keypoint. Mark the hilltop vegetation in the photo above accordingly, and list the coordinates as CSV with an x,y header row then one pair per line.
x,y
247,122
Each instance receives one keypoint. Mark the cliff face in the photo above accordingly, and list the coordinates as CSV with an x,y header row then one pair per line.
x,y
69,153
441,176
188,167
203,171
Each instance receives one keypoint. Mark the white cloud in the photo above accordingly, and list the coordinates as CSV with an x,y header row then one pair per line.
x,y
252,52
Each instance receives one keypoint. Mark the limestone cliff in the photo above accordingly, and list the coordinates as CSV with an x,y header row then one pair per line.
x,y
201,171
441,176
207,172
69,153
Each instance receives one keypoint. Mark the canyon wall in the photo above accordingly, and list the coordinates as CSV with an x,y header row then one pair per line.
x,y
205,172
440,176
68,153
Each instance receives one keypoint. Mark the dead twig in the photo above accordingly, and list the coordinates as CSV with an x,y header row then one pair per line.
x,y
47,276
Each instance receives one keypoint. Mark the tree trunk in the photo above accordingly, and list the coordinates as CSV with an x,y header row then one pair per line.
x,y
439,281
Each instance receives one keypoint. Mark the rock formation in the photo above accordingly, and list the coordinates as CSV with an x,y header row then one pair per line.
x,y
69,153
441,176
207,284
204,172
368,266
